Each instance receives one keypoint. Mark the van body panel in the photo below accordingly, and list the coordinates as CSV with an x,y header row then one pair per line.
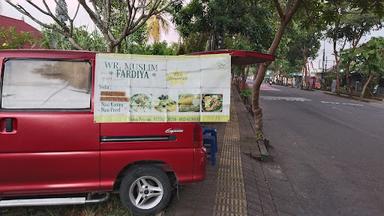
x,y
49,152
180,162
45,152
176,152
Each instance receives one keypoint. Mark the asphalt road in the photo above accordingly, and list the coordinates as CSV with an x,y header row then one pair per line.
x,y
329,150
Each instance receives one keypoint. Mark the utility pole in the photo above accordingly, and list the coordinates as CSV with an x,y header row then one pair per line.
x,y
324,67
323,61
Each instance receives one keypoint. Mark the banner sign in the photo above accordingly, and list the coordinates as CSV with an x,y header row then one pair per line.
x,y
138,88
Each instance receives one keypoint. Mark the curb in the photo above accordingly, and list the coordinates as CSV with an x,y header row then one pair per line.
x,y
353,97
262,153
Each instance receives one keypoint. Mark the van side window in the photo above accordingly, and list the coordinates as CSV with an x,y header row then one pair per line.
x,y
46,84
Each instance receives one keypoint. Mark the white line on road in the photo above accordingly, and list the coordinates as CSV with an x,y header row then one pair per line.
x,y
300,99
329,102
338,103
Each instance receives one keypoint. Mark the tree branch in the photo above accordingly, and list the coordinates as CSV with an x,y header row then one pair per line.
x,y
133,25
279,9
292,10
64,31
77,11
344,44
97,20
46,6
35,6
22,10
164,8
357,39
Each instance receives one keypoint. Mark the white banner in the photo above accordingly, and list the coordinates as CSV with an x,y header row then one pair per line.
x,y
138,88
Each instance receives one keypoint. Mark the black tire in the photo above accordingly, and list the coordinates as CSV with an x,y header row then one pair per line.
x,y
133,188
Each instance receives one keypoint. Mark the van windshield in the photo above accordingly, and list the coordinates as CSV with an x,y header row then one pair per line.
x,y
46,84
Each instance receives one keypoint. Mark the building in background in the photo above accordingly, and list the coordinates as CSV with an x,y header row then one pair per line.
x,y
20,27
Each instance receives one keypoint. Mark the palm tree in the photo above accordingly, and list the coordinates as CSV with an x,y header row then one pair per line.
x,y
156,25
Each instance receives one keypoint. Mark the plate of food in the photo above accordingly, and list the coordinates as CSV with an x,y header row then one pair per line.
x,y
189,103
212,103
140,103
165,104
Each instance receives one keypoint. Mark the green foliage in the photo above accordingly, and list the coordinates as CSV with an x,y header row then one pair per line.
x,y
368,58
160,48
375,6
358,23
239,42
246,93
11,39
136,43
303,43
350,20
133,44
195,42
89,41
222,22
300,42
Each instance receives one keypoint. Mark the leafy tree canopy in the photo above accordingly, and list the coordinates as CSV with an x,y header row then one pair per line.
x,y
220,19
368,58
115,19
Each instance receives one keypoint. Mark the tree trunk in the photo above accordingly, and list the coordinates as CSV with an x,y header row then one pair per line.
x,y
284,21
366,85
302,78
348,78
337,79
336,66
347,68
242,78
258,115
260,77
305,77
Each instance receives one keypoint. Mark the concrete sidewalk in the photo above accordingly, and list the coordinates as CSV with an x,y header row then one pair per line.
x,y
239,184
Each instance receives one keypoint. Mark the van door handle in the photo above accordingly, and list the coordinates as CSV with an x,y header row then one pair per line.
x,y
171,130
8,125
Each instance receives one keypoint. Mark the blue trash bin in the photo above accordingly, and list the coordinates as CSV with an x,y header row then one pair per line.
x,y
210,143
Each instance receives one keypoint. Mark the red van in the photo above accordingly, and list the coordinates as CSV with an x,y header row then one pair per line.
x,y
52,152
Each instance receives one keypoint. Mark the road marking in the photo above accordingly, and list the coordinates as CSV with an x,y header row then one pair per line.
x,y
353,104
300,99
338,103
263,87
329,102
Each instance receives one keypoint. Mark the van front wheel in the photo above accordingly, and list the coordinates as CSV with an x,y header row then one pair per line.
x,y
145,190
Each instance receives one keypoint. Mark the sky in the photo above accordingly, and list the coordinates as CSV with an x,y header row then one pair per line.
x,y
81,19
171,36
330,59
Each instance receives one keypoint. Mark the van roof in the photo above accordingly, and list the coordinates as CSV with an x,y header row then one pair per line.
x,y
45,50
239,57
41,53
